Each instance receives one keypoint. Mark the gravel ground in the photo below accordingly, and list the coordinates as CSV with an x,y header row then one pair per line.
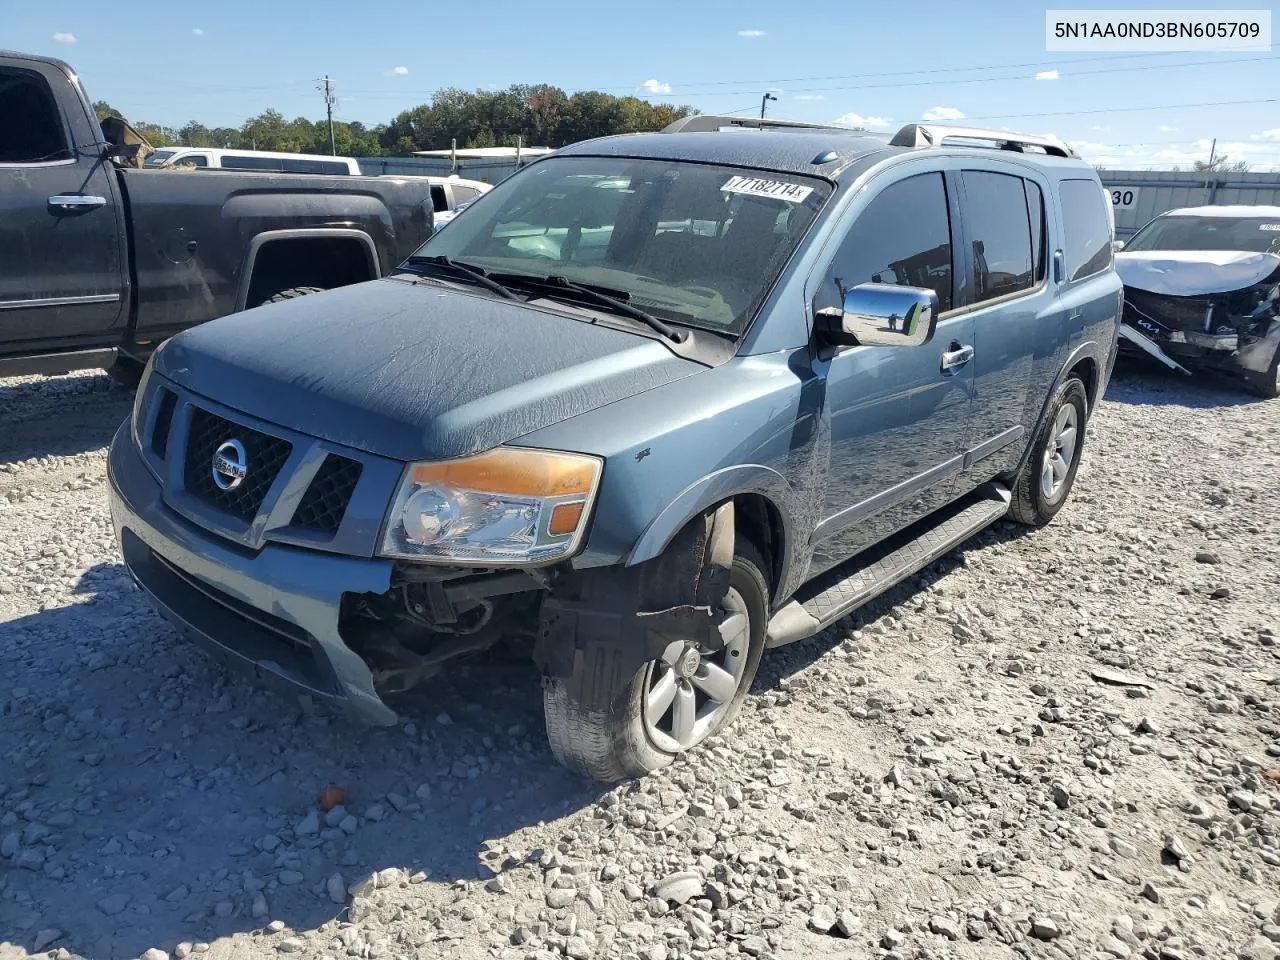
x,y
1058,744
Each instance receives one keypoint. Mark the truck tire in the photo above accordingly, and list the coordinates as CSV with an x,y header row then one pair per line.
x,y
1045,481
610,729
126,371
292,294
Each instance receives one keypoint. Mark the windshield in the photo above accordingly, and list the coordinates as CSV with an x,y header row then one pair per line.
x,y
691,243
1253,234
159,156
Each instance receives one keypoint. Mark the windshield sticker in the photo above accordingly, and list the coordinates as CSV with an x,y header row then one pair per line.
x,y
775,189
1269,226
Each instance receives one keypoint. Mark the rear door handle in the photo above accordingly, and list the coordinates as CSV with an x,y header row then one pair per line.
x,y
958,356
73,202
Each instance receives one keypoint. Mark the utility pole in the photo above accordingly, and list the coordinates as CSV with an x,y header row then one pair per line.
x,y
1213,148
329,101
763,100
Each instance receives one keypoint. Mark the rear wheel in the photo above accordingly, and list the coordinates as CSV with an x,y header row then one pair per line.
x,y
612,728
292,293
1050,471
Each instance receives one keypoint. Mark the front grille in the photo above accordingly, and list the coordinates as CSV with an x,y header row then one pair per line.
x,y
264,456
323,505
164,420
1176,313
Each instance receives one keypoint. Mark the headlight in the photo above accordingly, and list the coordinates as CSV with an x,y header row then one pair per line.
x,y
140,400
509,506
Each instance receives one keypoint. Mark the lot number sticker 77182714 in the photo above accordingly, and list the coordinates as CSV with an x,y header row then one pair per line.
x,y
775,189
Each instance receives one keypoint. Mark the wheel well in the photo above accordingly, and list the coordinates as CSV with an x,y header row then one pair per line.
x,y
1087,370
759,521
326,262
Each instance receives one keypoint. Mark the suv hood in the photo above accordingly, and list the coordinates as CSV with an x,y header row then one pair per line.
x,y
1193,273
414,372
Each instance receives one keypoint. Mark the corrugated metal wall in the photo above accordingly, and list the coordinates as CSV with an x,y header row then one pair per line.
x,y
1139,195
487,171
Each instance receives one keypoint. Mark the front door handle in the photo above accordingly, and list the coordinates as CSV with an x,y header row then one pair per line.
x,y
957,356
75,202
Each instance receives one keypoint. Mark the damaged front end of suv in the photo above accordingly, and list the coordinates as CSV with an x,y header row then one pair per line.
x,y
1205,309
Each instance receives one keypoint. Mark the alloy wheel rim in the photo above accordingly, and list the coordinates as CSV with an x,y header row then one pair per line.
x,y
1060,452
688,690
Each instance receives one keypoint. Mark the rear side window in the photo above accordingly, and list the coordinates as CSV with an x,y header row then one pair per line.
x,y
233,161
462,194
1000,234
307,165
30,127
192,160
903,237
1086,228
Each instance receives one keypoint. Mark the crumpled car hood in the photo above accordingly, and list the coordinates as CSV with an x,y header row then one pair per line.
x,y
414,372
1193,273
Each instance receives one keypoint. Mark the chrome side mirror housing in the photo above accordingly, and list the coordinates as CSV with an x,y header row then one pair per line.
x,y
1117,245
882,315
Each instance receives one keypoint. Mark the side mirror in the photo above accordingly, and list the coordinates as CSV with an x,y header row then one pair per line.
x,y
1117,245
881,315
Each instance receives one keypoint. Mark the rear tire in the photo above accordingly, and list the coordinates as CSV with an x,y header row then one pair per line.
x,y
1046,479
601,725
292,293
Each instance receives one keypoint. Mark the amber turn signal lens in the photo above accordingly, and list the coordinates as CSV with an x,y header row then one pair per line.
x,y
515,472
565,518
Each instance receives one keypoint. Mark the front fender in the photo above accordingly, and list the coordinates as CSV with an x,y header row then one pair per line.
x,y
712,490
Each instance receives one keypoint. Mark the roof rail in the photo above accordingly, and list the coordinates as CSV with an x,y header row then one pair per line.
x,y
932,135
710,122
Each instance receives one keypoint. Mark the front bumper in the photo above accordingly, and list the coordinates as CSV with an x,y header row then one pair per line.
x,y
273,611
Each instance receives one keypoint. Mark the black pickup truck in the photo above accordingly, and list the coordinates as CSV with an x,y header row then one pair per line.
x,y
100,261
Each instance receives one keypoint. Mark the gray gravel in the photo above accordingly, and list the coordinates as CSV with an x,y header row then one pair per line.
x,y
1047,745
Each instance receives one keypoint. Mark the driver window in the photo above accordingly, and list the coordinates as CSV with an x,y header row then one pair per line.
x,y
902,237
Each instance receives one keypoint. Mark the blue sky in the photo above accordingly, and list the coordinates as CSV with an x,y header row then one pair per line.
x,y
222,62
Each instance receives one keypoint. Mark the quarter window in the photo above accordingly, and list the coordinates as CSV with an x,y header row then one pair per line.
x,y
1086,228
903,237
1035,209
1000,234
30,127
240,161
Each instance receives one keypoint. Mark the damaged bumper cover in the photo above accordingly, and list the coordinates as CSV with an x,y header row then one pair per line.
x,y
1236,331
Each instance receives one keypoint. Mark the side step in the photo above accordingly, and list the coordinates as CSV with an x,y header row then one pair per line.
x,y
840,591
55,363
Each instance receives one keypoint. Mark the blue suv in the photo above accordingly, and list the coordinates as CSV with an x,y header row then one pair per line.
x,y
657,403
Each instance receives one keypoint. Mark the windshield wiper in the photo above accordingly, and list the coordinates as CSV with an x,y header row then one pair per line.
x,y
474,274
600,298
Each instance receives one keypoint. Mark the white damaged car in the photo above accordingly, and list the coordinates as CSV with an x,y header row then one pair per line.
x,y
1202,291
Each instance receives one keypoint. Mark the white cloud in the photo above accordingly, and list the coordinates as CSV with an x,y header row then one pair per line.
x,y
197,31
399,71
655,86
751,34
1266,135
64,38
1165,128
852,119
809,96
943,113
1047,75
1260,156
1097,129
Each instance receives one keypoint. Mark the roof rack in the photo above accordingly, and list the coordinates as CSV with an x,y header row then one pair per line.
x,y
932,135
710,122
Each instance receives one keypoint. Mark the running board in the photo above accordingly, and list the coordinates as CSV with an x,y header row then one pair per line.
x,y
840,591
1149,346
57,363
